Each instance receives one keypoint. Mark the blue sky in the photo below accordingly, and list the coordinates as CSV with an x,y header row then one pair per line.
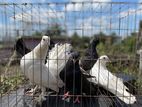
x,y
33,1
19,1
85,19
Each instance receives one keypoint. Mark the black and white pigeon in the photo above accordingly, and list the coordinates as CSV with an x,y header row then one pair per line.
x,y
57,59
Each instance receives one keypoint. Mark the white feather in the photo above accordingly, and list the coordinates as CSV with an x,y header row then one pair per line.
x,y
57,60
109,81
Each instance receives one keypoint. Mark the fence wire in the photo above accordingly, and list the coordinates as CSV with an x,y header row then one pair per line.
x,y
116,25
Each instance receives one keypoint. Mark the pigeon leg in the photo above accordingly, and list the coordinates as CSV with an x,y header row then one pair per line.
x,y
43,93
65,95
32,91
77,100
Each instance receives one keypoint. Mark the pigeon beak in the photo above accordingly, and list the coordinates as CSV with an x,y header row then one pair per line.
x,y
109,60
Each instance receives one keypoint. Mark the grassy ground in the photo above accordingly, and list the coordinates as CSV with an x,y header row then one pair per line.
x,y
10,80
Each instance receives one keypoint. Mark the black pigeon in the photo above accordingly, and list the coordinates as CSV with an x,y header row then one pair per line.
x,y
75,81
20,47
90,55
20,50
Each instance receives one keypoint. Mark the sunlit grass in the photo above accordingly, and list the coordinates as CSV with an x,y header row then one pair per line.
x,y
10,80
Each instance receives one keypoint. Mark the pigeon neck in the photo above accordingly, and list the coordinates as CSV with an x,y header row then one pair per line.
x,y
101,64
41,51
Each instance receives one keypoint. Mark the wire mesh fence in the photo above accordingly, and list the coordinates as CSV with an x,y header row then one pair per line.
x,y
80,33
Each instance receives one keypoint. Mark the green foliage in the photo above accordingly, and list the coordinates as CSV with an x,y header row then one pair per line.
x,y
79,43
11,80
124,47
75,38
10,83
55,30
128,44
101,48
37,33
1,46
84,42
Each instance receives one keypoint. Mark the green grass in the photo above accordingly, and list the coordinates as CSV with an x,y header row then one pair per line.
x,y
11,80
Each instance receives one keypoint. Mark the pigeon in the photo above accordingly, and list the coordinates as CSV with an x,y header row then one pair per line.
x,y
109,81
75,81
20,50
90,56
34,68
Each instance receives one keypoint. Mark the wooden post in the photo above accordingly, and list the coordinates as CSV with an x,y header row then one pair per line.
x,y
140,69
140,62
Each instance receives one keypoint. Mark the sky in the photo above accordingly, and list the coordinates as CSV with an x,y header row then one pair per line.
x,y
88,18
43,1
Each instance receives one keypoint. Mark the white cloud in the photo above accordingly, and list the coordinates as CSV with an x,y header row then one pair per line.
x,y
75,7
131,11
78,6
140,1
23,1
52,5
42,0
17,1
90,26
94,25
8,31
43,16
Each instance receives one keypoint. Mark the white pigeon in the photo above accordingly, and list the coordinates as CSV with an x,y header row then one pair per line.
x,y
109,81
32,65
58,57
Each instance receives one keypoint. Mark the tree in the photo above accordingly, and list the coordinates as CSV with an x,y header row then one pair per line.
x,y
37,33
75,38
55,30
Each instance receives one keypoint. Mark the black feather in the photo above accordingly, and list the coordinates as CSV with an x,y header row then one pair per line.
x,y
20,47
90,55
75,81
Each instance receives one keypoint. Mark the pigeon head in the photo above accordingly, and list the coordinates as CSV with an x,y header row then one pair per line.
x,y
75,55
45,40
41,49
104,59
67,48
95,41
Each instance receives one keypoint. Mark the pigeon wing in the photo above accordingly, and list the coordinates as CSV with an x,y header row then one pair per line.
x,y
41,75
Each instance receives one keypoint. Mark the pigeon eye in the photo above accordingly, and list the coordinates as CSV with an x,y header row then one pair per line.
x,y
43,39
104,58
